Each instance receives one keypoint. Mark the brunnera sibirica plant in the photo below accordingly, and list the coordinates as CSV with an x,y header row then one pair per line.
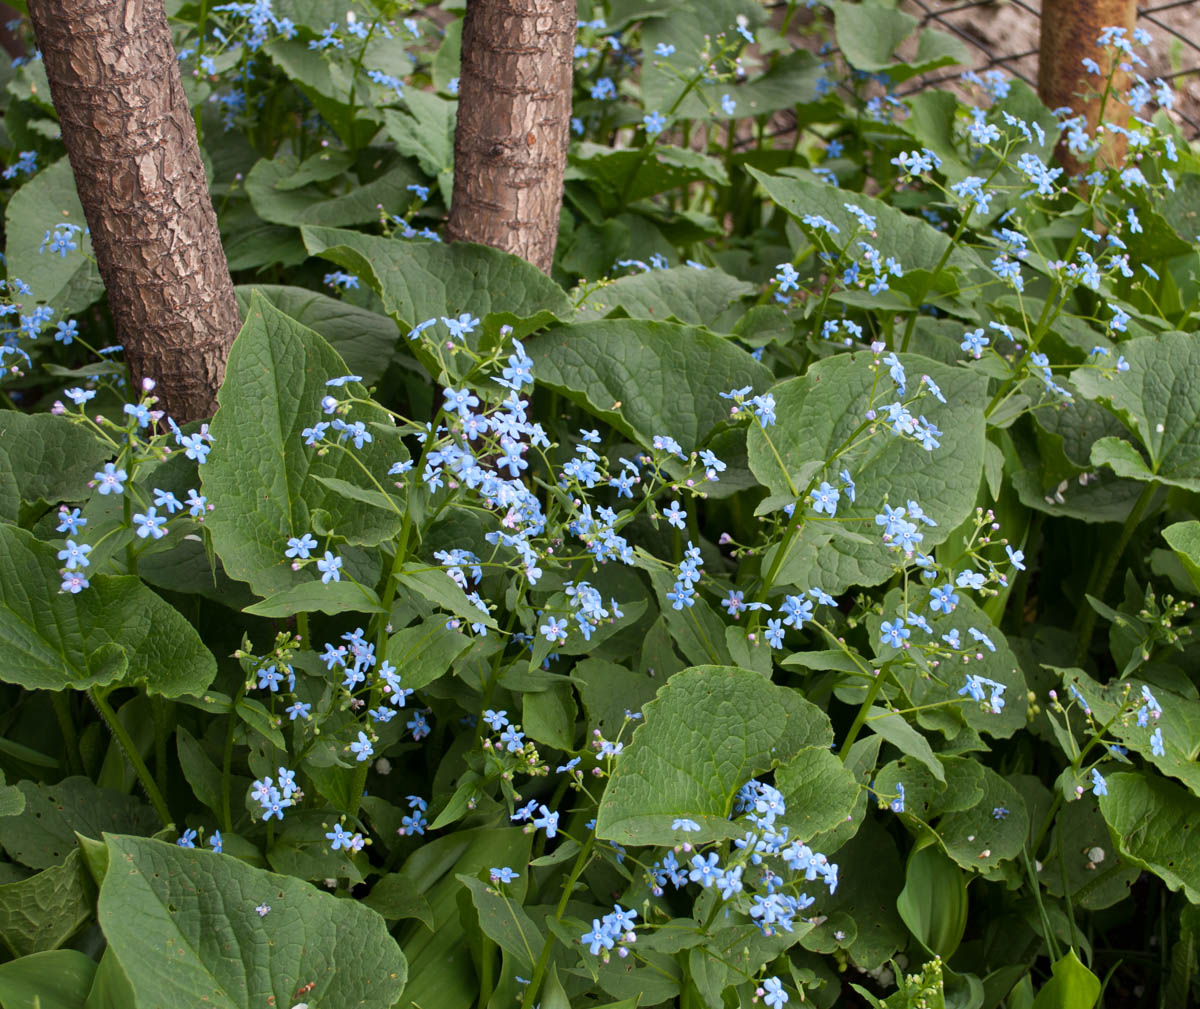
x,y
787,601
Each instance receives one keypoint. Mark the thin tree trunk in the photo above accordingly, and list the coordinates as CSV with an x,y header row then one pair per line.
x,y
129,134
514,120
1069,30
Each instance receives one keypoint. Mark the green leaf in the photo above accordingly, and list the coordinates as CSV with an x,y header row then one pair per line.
x,y
302,850
1155,823
118,630
868,33
1184,539
819,412
396,898
111,988
905,738
425,132
915,243
315,597
425,651
1072,986
58,979
45,457
933,902
69,284
261,476
819,790
1067,867
709,730
870,875
1159,399
54,814
171,915
309,205
505,922
435,585
694,297
548,716
420,280
42,912
627,175
609,690
440,969
975,838
365,340
646,378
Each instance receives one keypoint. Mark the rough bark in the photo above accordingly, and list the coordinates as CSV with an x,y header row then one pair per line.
x,y
1069,30
129,134
514,120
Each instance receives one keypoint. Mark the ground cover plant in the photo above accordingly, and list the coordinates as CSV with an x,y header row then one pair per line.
x,y
786,600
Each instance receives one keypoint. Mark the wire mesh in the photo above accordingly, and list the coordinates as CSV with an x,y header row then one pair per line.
x,y
1004,34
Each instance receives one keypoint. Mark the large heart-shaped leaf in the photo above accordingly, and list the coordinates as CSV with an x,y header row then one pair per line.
x,y
709,730
646,378
191,926
117,630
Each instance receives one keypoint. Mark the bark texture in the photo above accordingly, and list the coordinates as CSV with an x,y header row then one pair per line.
x,y
1069,30
129,134
514,120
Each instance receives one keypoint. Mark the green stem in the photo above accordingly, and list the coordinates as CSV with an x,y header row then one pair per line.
x,y
131,753
487,956
539,970
1085,623
227,763
860,718
66,725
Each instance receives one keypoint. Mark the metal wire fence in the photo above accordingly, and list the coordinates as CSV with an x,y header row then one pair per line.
x,y
1005,35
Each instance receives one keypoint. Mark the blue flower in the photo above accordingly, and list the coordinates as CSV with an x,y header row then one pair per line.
x,y
675,515
554,631
1016,556
362,747
1099,785
773,994
825,499
897,804
216,842
774,633
330,567
150,523
684,824
188,840
300,547
943,598
111,480
1156,743
503,875
894,634
704,870
654,123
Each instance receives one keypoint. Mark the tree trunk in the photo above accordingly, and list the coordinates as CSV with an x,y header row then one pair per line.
x,y
129,134
514,120
1069,31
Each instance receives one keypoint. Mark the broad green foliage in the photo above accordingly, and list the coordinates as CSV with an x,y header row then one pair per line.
x,y
786,599
418,282
646,378
266,487
733,723
173,918
120,633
